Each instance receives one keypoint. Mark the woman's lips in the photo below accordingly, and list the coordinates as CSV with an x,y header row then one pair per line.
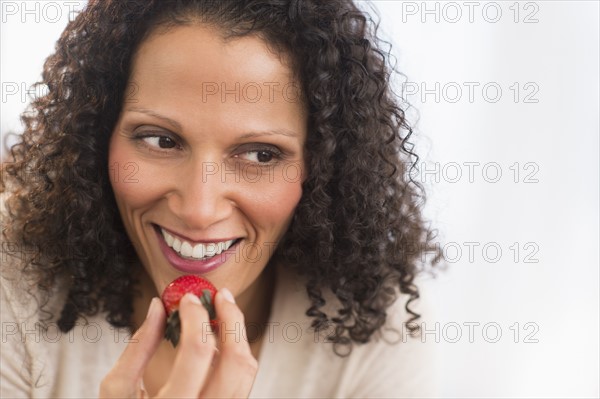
x,y
193,266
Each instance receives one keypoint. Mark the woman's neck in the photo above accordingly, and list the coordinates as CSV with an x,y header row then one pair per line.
x,y
256,303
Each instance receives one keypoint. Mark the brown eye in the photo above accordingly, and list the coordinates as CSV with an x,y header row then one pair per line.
x,y
166,142
264,156
260,156
158,142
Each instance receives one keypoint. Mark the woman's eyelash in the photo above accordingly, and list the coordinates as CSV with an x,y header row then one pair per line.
x,y
266,155
157,141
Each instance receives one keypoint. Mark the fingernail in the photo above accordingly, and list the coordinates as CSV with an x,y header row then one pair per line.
x,y
152,308
227,295
192,298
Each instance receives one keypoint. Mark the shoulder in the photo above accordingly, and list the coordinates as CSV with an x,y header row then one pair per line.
x,y
396,362
392,364
21,297
22,353
39,360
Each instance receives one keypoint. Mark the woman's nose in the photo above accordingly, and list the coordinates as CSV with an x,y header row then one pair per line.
x,y
202,197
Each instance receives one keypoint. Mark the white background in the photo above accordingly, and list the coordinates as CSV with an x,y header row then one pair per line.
x,y
541,291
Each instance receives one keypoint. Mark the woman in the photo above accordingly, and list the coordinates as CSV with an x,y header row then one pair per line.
x,y
254,143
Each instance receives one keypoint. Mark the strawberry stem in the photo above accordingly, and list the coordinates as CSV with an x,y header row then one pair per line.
x,y
173,329
206,300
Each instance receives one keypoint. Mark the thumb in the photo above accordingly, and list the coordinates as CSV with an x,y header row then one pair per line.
x,y
123,381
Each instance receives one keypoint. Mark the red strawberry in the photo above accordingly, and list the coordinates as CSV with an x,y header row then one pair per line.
x,y
173,294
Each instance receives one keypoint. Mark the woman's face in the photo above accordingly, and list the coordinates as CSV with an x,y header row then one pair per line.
x,y
206,158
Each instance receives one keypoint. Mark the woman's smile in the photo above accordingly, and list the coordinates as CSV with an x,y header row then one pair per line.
x,y
193,257
217,178
196,250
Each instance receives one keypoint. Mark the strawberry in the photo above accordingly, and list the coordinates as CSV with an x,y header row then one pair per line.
x,y
173,294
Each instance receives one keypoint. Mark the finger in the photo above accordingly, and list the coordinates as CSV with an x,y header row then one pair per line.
x,y
123,381
236,368
196,350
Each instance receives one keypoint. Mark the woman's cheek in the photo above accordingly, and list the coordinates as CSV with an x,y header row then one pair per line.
x,y
135,182
275,200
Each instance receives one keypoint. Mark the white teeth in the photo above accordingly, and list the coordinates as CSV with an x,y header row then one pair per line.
x,y
176,245
198,251
211,250
186,249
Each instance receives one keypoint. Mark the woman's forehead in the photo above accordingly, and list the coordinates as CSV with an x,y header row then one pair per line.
x,y
201,51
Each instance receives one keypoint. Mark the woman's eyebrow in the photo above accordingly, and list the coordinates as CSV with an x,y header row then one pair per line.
x,y
249,135
281,132
170,121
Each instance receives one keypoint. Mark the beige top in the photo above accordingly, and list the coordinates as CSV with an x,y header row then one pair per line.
x,y
293,361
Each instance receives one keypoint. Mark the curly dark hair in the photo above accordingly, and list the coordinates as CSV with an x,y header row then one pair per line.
x,y
359,221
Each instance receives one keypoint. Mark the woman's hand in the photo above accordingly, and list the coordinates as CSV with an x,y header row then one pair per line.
x,y
206,365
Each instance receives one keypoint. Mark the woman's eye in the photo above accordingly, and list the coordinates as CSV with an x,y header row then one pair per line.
x,y
163,142
259,156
